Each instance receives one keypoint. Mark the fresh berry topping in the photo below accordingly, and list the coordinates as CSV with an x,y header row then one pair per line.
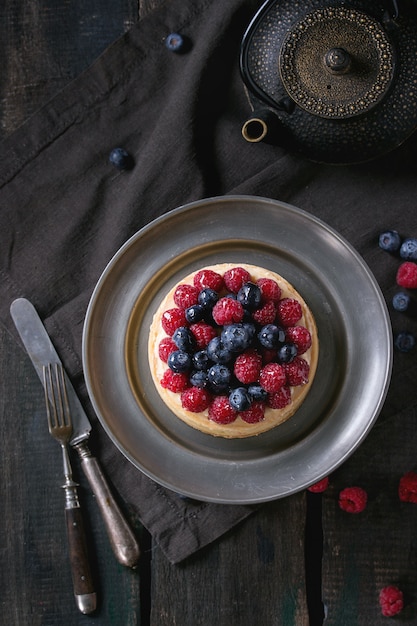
x,y
249,295
248,367
185,296
208,278
194,313
237,337
203,333
270,290
235,278
297,371
240,399
270,336
319,486
184,339
407,489
257,393
300,337
286,353
391,600
353,499
199,378
221,412
404,341
217,352
272,377
195,399
390,241
280,399
219,377
166,346
289,312
207,298
227,311
201,360
173,319
255,414
408,249
179,361
401,301
268,355
174,382
407,275
265,314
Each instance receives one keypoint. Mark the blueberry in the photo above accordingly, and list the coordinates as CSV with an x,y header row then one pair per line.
x,y
405,341
249,296
240,399
390,241
184,339
207,298
120,158
257,392
401,301
198,378
236,337
179,361
270,336
219,377
286,353
194,313
201,360
408,249
217,352
174,42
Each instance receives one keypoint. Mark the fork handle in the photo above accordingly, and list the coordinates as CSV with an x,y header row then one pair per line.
x,y
82,580
122,539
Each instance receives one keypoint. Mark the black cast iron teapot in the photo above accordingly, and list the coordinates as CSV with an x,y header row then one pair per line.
x,y
335,81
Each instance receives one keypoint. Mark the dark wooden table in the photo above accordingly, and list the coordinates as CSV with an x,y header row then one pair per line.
x,y
268,570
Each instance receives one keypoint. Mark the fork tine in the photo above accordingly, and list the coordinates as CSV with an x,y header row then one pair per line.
x,y
56,397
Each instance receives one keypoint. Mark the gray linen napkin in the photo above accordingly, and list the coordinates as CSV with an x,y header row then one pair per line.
x,y
65,210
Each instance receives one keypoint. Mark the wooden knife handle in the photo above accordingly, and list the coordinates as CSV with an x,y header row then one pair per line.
x,y
122,539
85,595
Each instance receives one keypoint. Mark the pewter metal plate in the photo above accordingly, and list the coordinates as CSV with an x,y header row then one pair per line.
x,y
354,363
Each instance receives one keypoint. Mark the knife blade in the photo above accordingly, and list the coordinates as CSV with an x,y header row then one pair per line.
x,y
41,352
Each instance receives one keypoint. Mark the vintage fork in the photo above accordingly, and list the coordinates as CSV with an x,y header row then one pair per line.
x,y
60,427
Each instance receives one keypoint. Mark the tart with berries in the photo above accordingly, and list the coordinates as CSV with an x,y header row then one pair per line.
x,y
233,350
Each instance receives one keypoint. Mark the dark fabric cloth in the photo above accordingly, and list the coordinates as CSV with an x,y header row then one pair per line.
x,y
64,211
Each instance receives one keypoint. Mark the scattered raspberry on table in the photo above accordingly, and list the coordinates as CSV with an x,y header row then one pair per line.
x,y
407,489
391,600
319,486
353,499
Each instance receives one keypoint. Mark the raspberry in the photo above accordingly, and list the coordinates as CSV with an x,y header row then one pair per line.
x,y
173,381
247,367
255,414
353,499
272,377
221,412
280,399
297,371
266,314
391,600
195,399
407,489
166,346
227,311
203,334
172,319
300,337
407,275
208,278
289,312
235,278
185,296
270,290
320,486
268,356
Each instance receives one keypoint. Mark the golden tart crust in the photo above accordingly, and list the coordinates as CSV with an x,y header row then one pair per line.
x,y
238,428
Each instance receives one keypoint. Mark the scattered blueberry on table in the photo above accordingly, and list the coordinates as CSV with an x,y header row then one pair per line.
x,y
121,159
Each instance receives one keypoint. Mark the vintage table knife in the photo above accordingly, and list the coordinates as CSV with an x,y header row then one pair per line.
x,y
41,351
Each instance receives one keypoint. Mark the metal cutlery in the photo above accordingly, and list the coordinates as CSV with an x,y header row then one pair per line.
x,y
42,352
60,427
